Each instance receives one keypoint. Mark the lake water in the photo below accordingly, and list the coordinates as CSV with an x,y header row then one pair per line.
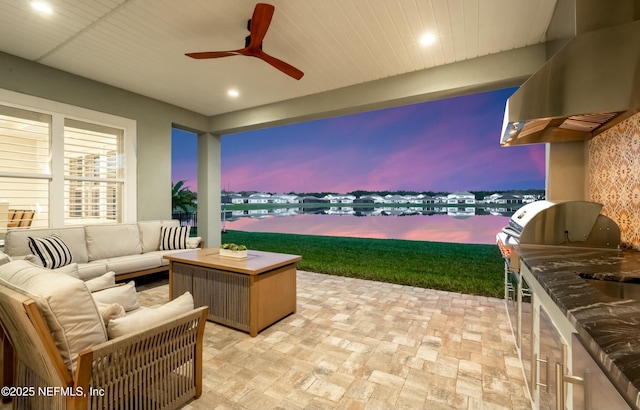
x,y
444,224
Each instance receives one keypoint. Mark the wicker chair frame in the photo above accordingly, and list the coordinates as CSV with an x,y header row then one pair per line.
x,y
158,368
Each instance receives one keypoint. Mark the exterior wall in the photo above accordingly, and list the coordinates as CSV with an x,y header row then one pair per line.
x,y
154,122
614,177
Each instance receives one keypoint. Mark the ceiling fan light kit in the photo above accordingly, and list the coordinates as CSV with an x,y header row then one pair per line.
x,y
257,26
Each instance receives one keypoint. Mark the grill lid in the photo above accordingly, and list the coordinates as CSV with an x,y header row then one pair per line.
x,y
566,223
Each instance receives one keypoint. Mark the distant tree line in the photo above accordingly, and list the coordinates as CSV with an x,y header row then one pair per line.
x,y
478,194
534,192
360,192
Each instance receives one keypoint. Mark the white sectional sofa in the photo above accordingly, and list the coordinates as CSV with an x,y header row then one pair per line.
x,y
129,250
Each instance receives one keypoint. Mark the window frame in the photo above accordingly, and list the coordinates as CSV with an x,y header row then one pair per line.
x,y
59,112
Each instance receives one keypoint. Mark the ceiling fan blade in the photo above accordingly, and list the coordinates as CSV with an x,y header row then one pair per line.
x,y
286,68
260,22
214,54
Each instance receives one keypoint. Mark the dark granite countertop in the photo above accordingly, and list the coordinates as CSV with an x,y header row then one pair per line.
x,y
608,327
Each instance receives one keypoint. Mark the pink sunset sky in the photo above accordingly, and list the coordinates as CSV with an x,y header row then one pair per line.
x,y
446,145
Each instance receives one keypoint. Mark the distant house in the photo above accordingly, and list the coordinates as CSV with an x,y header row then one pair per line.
x,y
461,197
284,199
395,199
377,199
491,199
258,198
232,198
420,199
340,199
509,199
365,199
314,200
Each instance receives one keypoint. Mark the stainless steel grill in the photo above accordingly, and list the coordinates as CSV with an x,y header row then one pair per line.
x,y
559,223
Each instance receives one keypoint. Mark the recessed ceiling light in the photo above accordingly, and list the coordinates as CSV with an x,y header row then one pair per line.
x,y
233,93
427,39
42,6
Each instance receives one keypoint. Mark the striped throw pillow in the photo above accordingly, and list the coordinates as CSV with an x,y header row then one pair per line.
x,y
174,237
51,250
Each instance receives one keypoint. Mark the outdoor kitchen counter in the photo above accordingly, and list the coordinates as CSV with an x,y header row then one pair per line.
x,y
608,327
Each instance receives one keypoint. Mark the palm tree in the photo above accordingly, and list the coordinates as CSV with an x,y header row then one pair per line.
x,y
182,197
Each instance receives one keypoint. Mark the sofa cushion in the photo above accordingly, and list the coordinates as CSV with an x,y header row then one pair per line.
x,y
108,241
52,251
16,241
101,282
124,295
145,318
160,255
174,237
4,258
132,263
150,233
92,269
65,303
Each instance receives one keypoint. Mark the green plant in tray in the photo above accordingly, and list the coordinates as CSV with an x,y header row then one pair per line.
x,y
233,247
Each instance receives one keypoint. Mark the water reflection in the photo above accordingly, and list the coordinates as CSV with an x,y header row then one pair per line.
x,y
441,224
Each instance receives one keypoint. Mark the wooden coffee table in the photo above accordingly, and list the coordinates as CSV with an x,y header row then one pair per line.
x,y
246,294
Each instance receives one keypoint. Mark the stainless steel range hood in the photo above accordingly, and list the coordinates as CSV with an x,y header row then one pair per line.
x,y
589,85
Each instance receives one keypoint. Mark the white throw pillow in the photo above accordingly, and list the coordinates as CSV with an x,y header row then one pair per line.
x,y
51,250
124,295
147,318
193,242
69,270
101,282
64,302
174,237
110,311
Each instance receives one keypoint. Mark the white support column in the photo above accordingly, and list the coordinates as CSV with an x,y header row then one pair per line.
x,y
209,207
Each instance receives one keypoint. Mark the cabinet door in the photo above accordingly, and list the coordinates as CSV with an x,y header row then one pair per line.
x,y
596,391
551,348
511,289
526,323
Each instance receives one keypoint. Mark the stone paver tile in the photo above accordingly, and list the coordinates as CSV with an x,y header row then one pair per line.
x,y
470,368
384,397
468,386
386,379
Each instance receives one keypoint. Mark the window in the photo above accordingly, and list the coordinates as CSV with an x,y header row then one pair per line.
x,y
25,171
67,164
93,173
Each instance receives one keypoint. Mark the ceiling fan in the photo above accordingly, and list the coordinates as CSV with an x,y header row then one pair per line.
x,y
257,26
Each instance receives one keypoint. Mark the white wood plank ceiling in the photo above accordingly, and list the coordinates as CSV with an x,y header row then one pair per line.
x,y
139,45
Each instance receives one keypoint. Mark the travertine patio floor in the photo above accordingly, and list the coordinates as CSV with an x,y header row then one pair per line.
x,y
357,344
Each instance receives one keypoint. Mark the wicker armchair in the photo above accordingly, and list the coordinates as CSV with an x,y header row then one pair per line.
x,y
158,368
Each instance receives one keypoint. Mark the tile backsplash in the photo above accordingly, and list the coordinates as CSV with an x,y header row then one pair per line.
x,y
614,177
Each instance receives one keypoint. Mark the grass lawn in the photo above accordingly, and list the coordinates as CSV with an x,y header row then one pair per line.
x,y
464,268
